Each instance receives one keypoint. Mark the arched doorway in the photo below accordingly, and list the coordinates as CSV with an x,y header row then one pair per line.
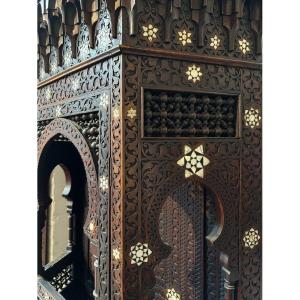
x,y
67,266
66,181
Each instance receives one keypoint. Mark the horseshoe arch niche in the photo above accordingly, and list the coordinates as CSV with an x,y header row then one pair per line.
x,y
70,131
72,272
186,222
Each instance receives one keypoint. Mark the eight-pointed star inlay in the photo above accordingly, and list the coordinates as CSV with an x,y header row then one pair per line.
x,y
139,253
251,238
194,73
193,161
252,117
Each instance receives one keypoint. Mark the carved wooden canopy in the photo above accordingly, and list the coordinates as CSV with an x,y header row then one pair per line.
x,y
64,24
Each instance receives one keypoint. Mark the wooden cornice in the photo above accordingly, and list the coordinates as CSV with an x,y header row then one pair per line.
x,y
193,57
153,52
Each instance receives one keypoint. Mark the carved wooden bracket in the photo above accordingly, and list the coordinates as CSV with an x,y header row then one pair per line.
x,y
201,11
169,11
90,15
232,11
55,29
44,43
115,7
256,23
71,20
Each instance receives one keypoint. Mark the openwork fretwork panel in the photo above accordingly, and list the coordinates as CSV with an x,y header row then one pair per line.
x,y
183,114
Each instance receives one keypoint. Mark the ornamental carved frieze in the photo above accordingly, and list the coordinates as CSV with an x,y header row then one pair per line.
x,y
197,23
173,73
79,84
86,103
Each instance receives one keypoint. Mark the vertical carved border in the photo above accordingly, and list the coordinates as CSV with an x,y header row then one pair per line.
x,y
116,183
251,193
104,204
132,180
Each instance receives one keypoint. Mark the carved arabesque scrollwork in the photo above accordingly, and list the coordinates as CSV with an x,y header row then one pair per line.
x,y
67,53
132,195
172,73
251,209
103,31
83,43
88,82
116,192
158,166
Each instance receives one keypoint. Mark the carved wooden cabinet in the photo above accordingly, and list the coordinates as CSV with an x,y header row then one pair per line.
x,y
155,109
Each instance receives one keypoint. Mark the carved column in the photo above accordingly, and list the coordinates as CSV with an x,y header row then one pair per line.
x,y
71,224
230,292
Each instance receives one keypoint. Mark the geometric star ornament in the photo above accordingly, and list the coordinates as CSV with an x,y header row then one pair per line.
x,y
251,238
103,183
194,73
193,161
139,253
215,42
131,113
172,295
116,254
184,37
150,32
244,46
252,117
